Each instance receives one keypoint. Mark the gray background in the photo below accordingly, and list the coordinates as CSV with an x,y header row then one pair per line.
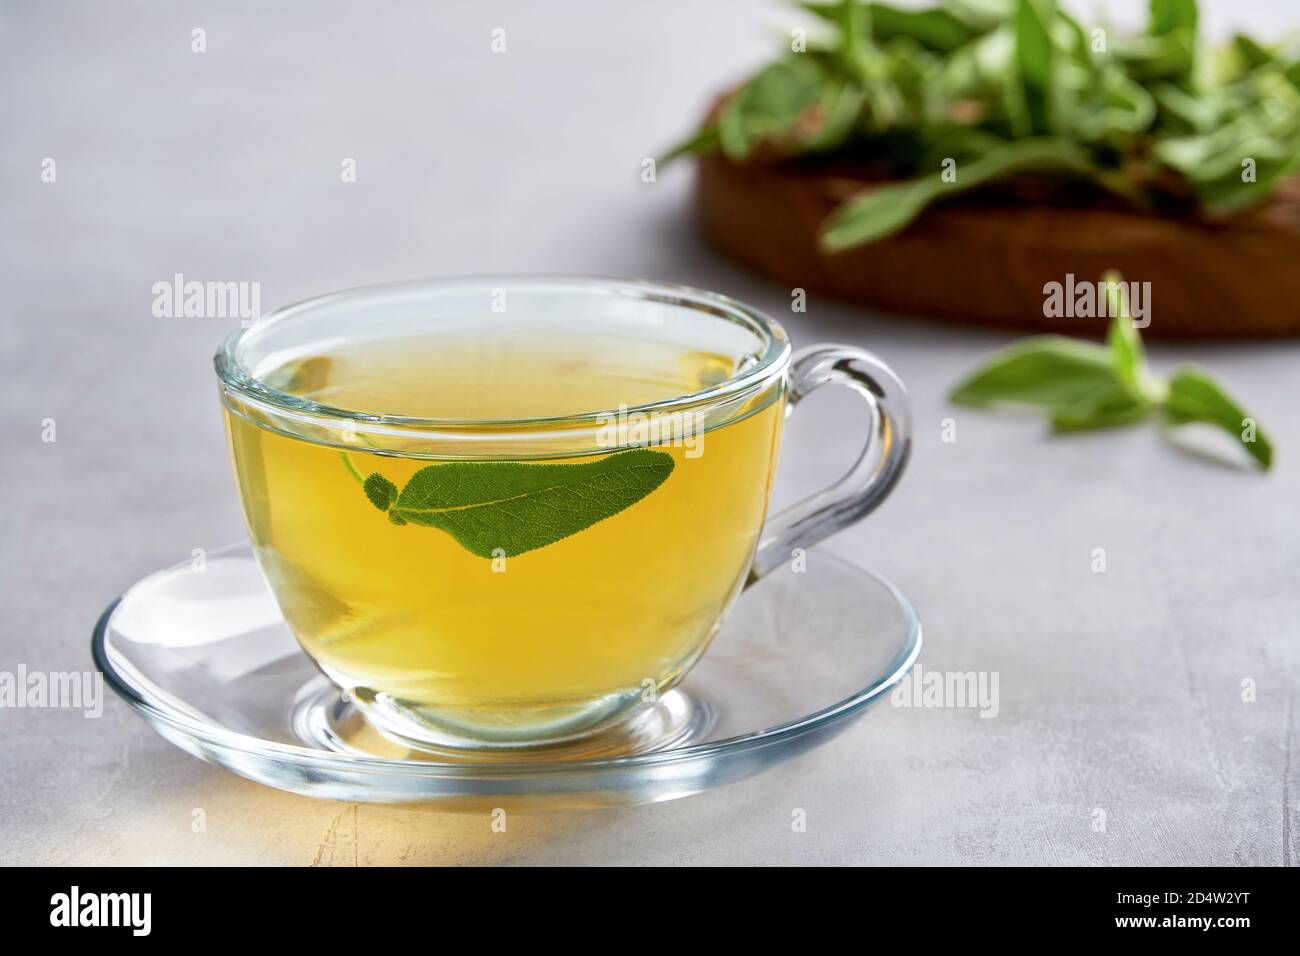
x,y
1119,691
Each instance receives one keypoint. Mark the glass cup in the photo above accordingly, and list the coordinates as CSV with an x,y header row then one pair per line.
x,y
506,512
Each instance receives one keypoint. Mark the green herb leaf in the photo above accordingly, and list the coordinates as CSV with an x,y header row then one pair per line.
x,y
1035,53
852,18
901,89
1081,386
1194,396
704,141
1074,382
979,15
380,491
884,210
783,105
879,212
1110,408
1168,16
1122,338
1250,53
514,507
939,30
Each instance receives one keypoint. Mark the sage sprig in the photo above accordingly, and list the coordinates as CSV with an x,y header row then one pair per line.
x,y
1081,385
970,92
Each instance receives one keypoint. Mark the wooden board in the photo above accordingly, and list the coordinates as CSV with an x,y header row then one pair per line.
x,y
986,262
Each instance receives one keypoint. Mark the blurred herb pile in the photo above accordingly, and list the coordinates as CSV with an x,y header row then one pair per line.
x,y
1014,88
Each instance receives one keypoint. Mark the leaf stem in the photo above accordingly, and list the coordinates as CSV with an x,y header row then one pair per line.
x,y
352,468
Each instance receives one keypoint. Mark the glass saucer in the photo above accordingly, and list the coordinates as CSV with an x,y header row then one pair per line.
x,y
201,652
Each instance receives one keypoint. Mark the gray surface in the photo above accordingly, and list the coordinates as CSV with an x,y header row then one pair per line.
x,y
1119,691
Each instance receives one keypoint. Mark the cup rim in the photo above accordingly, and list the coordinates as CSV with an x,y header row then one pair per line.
x,y
775,357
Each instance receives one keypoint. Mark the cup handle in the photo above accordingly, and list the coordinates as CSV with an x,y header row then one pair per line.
x,y
872,477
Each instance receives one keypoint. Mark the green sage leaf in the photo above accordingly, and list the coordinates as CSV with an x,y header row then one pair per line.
x,y
1035,53
706,140
510,508
1051,372
1081,386
380,491
1194,396
1109,408
937,29
883,210
782,105
1127,354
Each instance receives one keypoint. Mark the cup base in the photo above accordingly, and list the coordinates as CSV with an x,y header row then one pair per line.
x,y
207,661
327,717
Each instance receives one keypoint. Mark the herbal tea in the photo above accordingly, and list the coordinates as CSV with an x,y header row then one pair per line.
x,y
518,598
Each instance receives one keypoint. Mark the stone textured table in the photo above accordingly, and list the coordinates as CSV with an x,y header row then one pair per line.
x,y
1120,692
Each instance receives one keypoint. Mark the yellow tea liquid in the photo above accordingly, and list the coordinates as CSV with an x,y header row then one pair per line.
x,y
546,642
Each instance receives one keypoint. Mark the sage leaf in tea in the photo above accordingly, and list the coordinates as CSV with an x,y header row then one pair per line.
x,y
381,492
507,508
